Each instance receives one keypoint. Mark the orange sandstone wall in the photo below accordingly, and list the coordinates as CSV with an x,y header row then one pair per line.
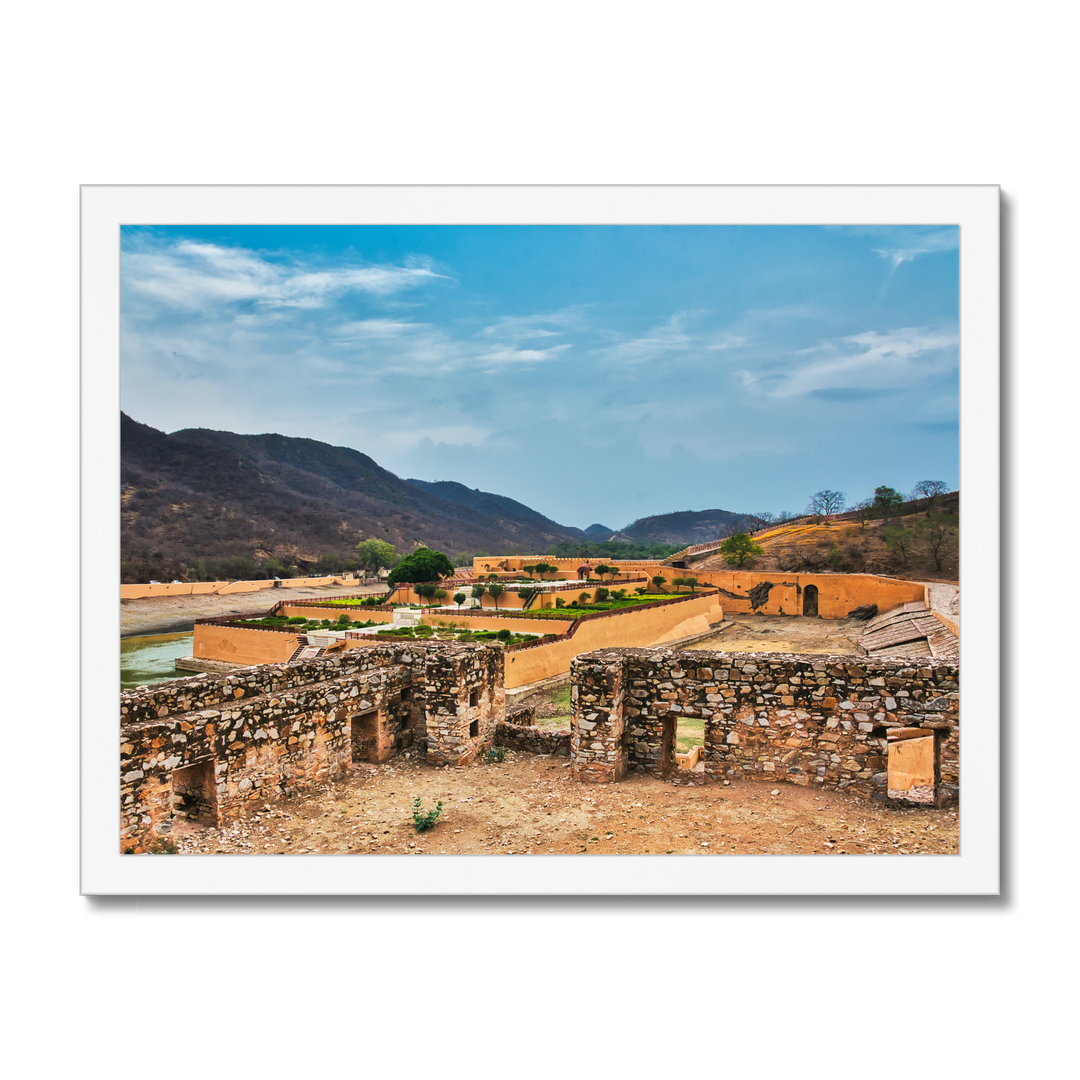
x,y
633,628
238,645
493,622
137,592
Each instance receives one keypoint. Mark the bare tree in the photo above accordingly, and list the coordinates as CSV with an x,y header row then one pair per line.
x,y
863,511
929,490
826,502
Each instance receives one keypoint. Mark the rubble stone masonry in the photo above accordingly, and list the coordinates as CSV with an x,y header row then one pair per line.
x,y
805,719
208,746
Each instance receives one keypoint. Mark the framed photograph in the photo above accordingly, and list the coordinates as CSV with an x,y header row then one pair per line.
x,y
540,540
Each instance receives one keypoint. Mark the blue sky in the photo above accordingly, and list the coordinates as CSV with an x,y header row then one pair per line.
x,y
597,374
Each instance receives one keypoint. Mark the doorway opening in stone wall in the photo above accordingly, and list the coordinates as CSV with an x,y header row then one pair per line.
x,y
194,792
809,602
364,736
914,765
689,742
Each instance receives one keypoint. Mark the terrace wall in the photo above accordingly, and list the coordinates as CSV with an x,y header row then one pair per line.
x,y
241,644
808,720
262,732
190,588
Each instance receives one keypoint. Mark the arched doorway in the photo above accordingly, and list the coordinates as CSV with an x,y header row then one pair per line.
x,y
809,601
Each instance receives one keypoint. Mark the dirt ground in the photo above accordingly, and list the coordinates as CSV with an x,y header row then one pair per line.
x,y
786,633
529,805
176,614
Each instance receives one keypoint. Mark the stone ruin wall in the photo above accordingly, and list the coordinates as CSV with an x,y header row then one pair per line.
x,y
519,732
805,719
208,746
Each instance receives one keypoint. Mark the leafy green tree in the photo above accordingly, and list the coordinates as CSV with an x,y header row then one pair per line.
x,y
373,554
425,591
546,568
478,592
459,598
659,581
602,569
495,590
690,583
678,582
422,565
439,595
887,499
740,549
530,569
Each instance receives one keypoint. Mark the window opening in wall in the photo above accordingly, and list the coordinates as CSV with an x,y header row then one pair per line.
x,y
810,599
474,729
194,792
364,735
913,765
474,699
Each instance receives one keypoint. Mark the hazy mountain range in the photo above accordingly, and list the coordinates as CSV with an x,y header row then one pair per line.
x,y
201,494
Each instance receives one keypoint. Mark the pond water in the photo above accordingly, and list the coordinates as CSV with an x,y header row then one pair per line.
x,y
146,660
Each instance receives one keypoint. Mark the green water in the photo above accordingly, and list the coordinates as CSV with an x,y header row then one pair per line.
x,y
145,660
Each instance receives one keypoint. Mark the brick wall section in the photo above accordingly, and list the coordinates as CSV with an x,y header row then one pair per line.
x,y
805,719
261,732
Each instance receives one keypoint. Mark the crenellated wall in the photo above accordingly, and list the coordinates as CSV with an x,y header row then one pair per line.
x,y
206,747
808,720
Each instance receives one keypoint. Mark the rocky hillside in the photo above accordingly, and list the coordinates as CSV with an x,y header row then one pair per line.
x,y
201,503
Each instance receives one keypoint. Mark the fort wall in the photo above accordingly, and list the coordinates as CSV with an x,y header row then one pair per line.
x,y
195,588
209,747
832,722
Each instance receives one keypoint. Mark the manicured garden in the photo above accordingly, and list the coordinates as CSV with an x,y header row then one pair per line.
x,y
301,625
459,633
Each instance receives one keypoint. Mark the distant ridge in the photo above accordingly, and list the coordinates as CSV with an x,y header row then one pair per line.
x,y
269,499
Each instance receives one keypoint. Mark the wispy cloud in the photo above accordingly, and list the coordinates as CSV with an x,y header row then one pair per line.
x,y
873,360
924,243
191,275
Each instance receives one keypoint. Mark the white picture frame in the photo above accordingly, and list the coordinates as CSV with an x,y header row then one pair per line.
x,y
974,871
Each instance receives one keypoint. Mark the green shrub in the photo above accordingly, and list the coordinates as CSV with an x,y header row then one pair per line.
x,y
163,845
422,821
495,755
296,619
503,635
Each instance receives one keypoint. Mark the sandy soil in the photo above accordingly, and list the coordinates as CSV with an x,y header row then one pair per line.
x,y
529,805
176,614
785,633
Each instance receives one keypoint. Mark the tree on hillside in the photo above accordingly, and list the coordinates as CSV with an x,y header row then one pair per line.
x,y
887,499
373,554
864,511
938,535
495,590
826,502
422,565
739,549
929,490
759,520
900,541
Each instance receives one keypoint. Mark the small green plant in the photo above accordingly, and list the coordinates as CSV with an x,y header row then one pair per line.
x,y
495,755
503,635
424,820
162,845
